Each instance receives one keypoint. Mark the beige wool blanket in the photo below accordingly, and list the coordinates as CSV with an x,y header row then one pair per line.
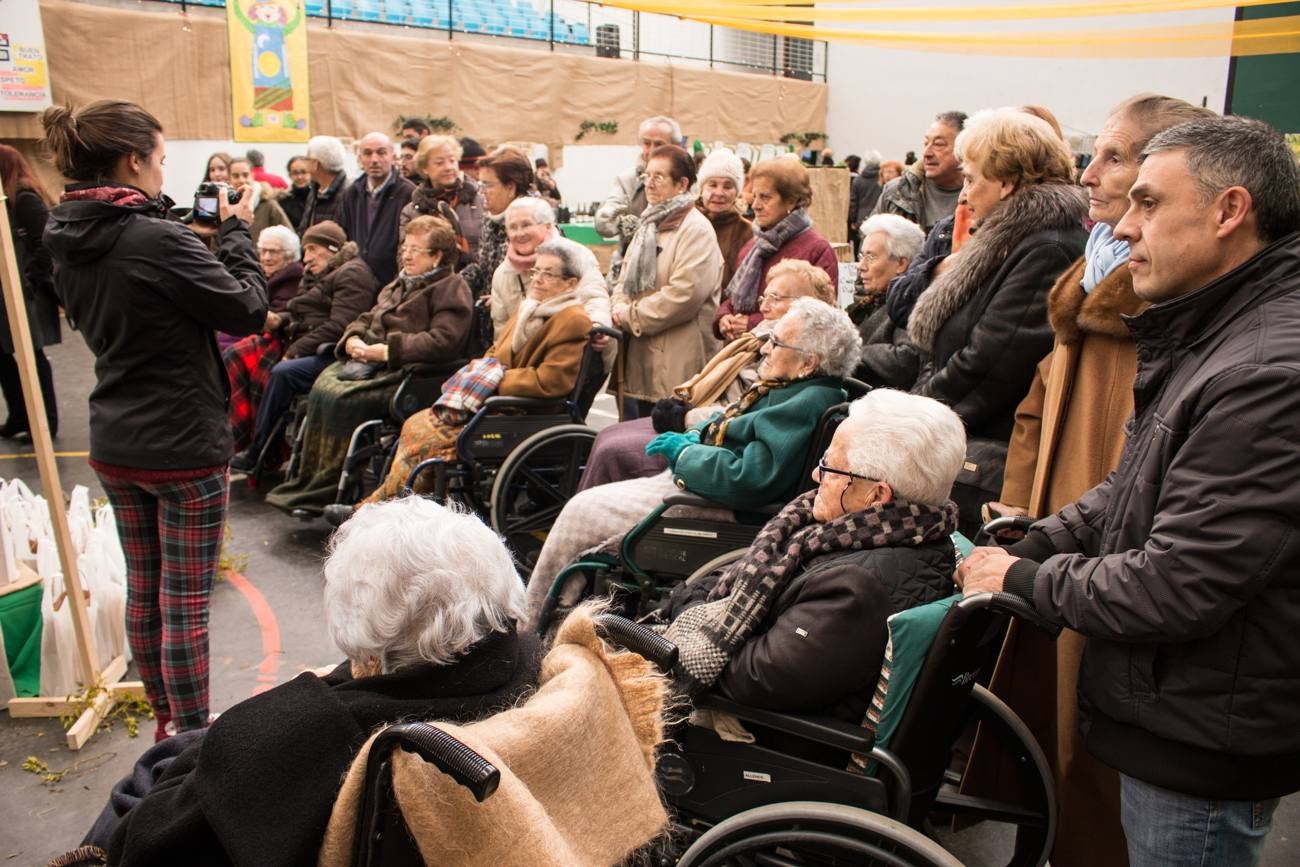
x,y
577,770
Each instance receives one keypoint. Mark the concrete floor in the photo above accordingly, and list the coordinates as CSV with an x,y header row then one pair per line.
x,y
38,821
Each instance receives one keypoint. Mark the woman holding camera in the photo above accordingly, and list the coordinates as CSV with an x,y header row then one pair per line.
x,y
148,295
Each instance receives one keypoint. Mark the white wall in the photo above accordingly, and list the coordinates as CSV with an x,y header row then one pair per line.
x,y
187,160
884,99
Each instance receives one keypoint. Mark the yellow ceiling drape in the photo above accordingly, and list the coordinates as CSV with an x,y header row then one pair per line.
x,y
1279,35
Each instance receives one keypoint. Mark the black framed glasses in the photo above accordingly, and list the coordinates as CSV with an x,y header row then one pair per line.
x,y
822,470
778,343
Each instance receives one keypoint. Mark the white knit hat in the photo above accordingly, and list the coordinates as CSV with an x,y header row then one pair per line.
x,y
722,163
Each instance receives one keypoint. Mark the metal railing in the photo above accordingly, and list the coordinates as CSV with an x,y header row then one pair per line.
x,y
570,25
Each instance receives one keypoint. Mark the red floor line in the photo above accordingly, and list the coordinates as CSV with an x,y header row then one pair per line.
x,y
268,669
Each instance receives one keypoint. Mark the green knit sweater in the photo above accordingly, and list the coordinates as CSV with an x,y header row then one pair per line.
x,y
761,459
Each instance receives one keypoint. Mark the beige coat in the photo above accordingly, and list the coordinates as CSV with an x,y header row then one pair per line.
x,y
1068,437
670,329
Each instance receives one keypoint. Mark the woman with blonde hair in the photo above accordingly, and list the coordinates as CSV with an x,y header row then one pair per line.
x,y
983,319
446,192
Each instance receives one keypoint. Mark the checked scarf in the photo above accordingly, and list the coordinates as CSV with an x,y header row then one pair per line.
x,y
639,262
715,432
441,202
745,283
708,635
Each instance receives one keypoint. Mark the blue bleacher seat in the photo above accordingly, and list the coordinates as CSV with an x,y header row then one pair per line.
x,y
396,11
316,8
580,34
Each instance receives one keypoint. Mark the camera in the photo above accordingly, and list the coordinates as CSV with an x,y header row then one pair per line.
x,y
207,201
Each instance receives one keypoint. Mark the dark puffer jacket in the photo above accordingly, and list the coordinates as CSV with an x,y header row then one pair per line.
x,y
328,303
822,644
1183,567
904,289
984,320
147,295
376,234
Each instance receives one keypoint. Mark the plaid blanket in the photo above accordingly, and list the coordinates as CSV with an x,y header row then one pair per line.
x,y
248,365
465,391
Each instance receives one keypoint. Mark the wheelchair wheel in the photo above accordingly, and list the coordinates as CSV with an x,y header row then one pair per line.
x,y
534,482
719,562
813,833
1034,812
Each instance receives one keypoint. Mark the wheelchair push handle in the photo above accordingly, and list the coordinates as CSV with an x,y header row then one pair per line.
x,y
1015,606
449,755
988,533
603,331
639,639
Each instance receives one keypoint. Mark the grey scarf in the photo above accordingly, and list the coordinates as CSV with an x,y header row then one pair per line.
x,y
640,260
743,290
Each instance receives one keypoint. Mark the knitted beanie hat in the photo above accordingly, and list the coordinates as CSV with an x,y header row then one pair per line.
x,y
328,234
722,163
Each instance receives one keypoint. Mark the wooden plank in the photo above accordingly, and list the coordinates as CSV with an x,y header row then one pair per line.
x,y
20,330
127,689
20,708
829,210
88,723
20,584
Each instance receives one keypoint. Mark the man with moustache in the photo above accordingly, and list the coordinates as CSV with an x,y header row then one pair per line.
x,y
1181,567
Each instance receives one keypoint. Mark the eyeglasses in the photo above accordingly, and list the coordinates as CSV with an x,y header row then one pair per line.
x,y
778,343
657,178
870,258
408,250
543,274
271,250
822,470
772,298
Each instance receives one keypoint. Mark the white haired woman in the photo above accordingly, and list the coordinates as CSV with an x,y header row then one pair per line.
x,y
279,251
619,450
446,192
749,454
540,349
799,622
422,601
890,244
529,224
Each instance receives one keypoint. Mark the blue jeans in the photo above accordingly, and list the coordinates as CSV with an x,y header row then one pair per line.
x,y
289,379
1170,829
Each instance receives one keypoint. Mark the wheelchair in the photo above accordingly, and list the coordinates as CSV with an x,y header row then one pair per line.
x,y
519,460
787,799
663,549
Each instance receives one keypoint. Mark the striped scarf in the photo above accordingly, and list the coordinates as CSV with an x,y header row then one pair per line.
x,y
716,430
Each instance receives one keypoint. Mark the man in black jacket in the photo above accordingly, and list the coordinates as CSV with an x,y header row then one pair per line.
x,y
1181,567
325,157
369,208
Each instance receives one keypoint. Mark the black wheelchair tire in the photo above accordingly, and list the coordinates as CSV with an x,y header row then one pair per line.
x,y
521,532
836,828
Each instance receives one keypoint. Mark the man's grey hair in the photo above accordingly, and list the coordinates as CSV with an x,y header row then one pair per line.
x,y
328,151
573,263
828,333
663,120
954,119
871,161
287,237
411,581
914,443
903,237
535,207
1225,152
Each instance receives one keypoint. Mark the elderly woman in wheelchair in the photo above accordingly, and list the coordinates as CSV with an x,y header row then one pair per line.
x,y
538,354
798,622
748,455
422,599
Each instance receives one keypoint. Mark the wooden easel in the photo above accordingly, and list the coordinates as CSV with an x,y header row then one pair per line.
x,y
109,676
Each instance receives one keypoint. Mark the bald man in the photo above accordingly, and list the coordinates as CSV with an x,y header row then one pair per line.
x,y
371,205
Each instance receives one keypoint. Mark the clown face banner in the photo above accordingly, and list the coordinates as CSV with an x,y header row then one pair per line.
x,y
268,70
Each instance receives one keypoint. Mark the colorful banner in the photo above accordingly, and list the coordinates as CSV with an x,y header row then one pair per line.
x,y
24,71
268,70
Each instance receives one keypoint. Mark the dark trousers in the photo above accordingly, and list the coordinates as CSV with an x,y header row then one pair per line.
x,y
289,379
11,386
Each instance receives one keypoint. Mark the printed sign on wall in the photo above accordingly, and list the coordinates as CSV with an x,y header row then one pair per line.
x,y
24,72
268,70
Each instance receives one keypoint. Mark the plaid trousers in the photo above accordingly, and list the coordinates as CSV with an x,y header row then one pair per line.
x,y
171,534
248,365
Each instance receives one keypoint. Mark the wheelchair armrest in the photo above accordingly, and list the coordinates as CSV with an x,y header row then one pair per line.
x,y
639,639
686,498
433,368
498,402
449,755
819,729
1009,603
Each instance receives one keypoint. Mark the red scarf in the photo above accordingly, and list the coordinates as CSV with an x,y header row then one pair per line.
x,y
127,197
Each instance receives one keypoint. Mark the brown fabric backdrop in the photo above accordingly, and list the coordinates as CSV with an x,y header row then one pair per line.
x,y
362,79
